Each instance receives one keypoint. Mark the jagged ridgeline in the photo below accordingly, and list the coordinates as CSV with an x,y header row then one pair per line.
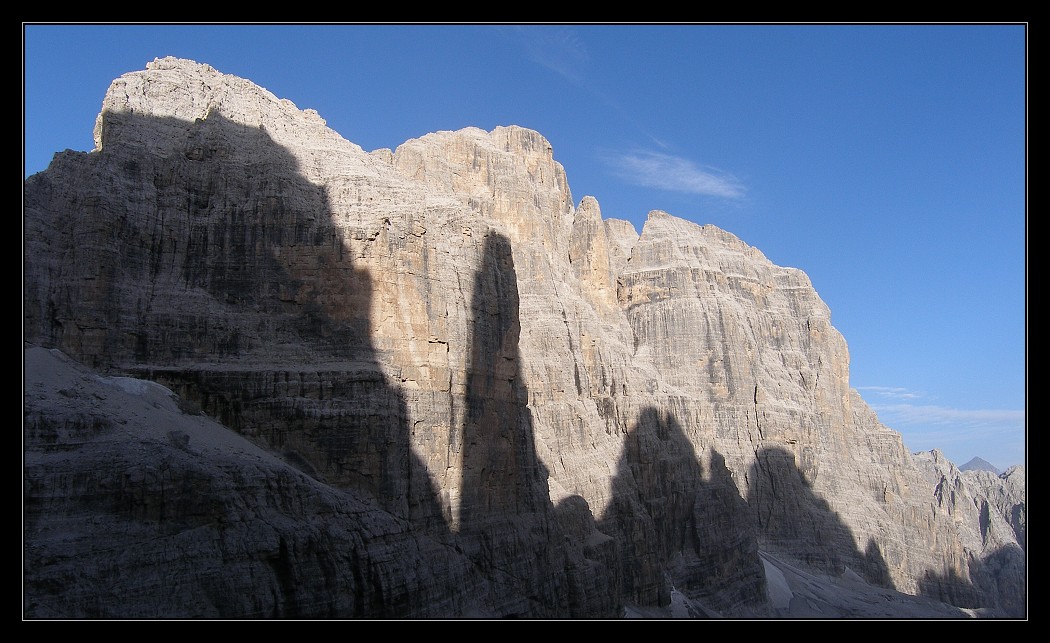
x,y
270,374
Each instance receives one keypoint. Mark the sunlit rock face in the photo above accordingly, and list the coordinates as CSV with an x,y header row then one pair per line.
x,y
452,391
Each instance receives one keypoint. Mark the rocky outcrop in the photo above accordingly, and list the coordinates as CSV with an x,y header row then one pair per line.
x,y
553,414
992,517
136,509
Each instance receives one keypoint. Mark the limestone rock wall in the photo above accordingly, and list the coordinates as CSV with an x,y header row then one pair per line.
x,y
992,518
591,416
135,509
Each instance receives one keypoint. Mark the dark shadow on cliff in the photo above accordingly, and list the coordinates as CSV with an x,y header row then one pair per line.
x,y
674,525
506,521
994,579
233,286
996,583
794,520
500,468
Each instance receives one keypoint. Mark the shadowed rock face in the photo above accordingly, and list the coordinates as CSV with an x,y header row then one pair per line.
x,y
992,512
134,509
803,525
452,393
678,527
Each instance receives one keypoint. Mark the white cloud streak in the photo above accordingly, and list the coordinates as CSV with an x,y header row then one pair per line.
x,y
990,433
667,172
976,419
892,392
898,407
993,434
557,48
562,50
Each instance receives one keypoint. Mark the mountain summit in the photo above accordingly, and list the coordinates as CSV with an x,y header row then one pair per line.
x,y
272,375
977,464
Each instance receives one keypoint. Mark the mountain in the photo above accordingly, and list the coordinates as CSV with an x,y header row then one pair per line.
x,y
269,374
977,464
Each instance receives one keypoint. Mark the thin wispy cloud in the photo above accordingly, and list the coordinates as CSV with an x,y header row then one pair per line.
x,y
934,427
975,419
562,50
894,407
557,48
926,426
892,392
675,173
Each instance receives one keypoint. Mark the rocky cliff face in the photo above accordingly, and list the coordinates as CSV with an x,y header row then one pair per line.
x,y
992,517
445,389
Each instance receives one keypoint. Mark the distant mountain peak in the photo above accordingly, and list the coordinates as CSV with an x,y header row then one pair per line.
x,y
977,464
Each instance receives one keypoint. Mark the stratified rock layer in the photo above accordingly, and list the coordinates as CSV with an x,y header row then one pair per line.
x,y
134,509
471,397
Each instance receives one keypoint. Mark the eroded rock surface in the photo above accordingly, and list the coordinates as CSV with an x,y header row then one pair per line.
x,y
433,349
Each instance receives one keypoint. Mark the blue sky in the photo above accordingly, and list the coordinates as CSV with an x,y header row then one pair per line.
x,y
888,162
